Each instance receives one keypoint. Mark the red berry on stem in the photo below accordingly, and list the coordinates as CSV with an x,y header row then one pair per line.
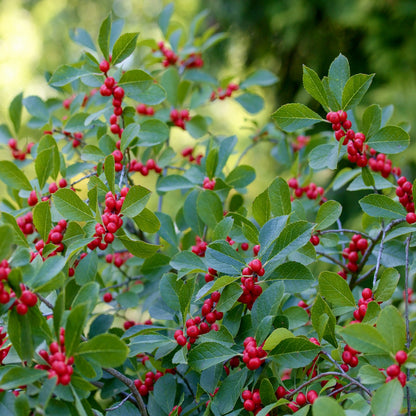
x,y
401,357
104,66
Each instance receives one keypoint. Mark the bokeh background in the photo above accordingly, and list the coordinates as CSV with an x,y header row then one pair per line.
x,y
280,35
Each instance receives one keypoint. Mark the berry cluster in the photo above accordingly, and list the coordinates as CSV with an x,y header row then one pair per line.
x,y
302,400
55,236
58,365
366,298
187,152
177,408
311,191
118,157
208,183
249,278
394,371
224,93
25,223
145,110
234,363
136,166
147,385
194,60
109,88
200,247
210,276
16,152
112,220
380,163
300,142
179,117
129,324
252,401
199,326
53,187
3,351
252,354
404,191
349,357
118,258
357,245
170,57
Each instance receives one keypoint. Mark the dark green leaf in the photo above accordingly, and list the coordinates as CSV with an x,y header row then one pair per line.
x,y
164,18
390,139
376,205
261,208
152,132
386,285
327,406
109,172
280,197
12,176
355,89
104,37
138,248
74,328
388,399
295,276
135,201
371,120
124,47
70,206
6,239
207,354
241,176
222,257
328,213
392,327
338,75
364,338
86,269
18,376
335,289
197,126
209,208
313,85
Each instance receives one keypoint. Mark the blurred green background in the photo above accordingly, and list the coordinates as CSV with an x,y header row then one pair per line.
x,y
280,35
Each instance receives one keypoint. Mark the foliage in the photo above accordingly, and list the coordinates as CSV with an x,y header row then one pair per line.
x,y
267,306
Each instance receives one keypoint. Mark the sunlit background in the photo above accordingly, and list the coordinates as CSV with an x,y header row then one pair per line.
x,y
280,35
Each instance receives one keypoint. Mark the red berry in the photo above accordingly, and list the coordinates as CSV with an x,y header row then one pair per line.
x,y
28,298
367,293
104,66
410,217
63,183
255,265
254,363
118,93
107,297
56,237
301,399
21,309
402,378
393,370
249,405
311,396
401,357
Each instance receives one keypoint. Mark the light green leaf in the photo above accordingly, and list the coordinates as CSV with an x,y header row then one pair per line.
x,y
355,89
292,117
124,47
390,139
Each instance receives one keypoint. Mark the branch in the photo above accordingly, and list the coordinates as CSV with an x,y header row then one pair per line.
x,y
130,384
329,373
110,409
83,178
330,258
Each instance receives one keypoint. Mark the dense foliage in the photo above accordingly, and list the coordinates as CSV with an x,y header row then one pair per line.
x,y
267,306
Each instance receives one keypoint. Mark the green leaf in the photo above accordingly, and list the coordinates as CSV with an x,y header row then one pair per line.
x,y
152,132
170,82
381,206
20,334
390,139
386,285
367,177
211,162
147,221
138,248
18,376
107,349
135,201
241,176
18,236
186,260
6,238
371,120
371,375
323,321
338,75
104,37
388,399
207,354
294,352
173,183
197,126
128,135
124,47
109,172
364,338
324,156
279,195
49,269
267,303
12,176
229,392
74,328
343,177
209,208
70,206
392,327
292,117
36,107
87,269
335,289
313,85
167,228
135,82
88,294
355,89
261,208
66,74
47,161
261,77
222,257
15,111
164,18
82,37
295,276
328,213
92,153
252,103
327,406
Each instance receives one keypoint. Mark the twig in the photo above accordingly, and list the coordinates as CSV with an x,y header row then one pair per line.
x,y
345,230
45,301
186,382
176,167
244,152
329,373
130,384
330,258
110,409
364,276
83,178
380,252
334,392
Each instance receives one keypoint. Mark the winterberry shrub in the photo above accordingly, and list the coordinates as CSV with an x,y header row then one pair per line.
x,y
231,305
